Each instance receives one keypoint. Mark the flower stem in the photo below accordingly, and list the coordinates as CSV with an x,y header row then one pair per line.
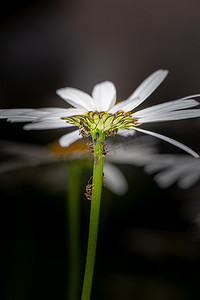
x,y
94,213
73,228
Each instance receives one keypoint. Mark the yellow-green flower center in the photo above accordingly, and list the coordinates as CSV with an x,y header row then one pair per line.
x,y
109,123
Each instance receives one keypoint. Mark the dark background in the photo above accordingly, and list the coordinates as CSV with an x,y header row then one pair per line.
x,y
148,244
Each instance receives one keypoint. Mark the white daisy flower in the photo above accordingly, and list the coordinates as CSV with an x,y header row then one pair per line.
x,y
22,155
183,169
101,113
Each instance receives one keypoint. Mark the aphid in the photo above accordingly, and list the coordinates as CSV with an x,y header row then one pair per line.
x,y
103,184
105,151
95,142
88,193
112,132
90,147
89,188
97,135
84,133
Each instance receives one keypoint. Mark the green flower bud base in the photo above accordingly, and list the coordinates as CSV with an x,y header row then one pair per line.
x,y
105,122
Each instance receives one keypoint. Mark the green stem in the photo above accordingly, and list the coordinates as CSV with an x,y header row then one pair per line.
x,y
73,228
94,214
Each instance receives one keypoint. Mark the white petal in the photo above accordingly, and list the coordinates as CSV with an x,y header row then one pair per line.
x,y
22,115
5,113
148,86
35,113
191,96
63,113
18,116
76,98
145,89
121,106
32,116
69,138
42,114
104,95
170,116
114,179
166,107
169,140
125,133
52,109
21,119
47,125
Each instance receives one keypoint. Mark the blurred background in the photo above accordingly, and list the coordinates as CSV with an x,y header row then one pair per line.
x,y
148,245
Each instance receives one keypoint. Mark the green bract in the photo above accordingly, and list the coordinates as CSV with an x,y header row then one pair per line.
x,y
109,123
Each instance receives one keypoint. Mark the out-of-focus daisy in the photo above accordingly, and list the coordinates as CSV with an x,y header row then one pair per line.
x,y
21,155
100,113
183,169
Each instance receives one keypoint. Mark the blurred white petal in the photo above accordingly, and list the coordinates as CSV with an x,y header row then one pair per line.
x,y
137,155
114,179
125,133
183,169
166,178
69,138
189,179
9,166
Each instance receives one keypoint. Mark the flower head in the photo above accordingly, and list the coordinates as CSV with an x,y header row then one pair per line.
x,y
100,112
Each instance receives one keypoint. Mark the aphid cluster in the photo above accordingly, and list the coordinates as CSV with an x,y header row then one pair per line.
x,y
90,146
84,131
111,132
